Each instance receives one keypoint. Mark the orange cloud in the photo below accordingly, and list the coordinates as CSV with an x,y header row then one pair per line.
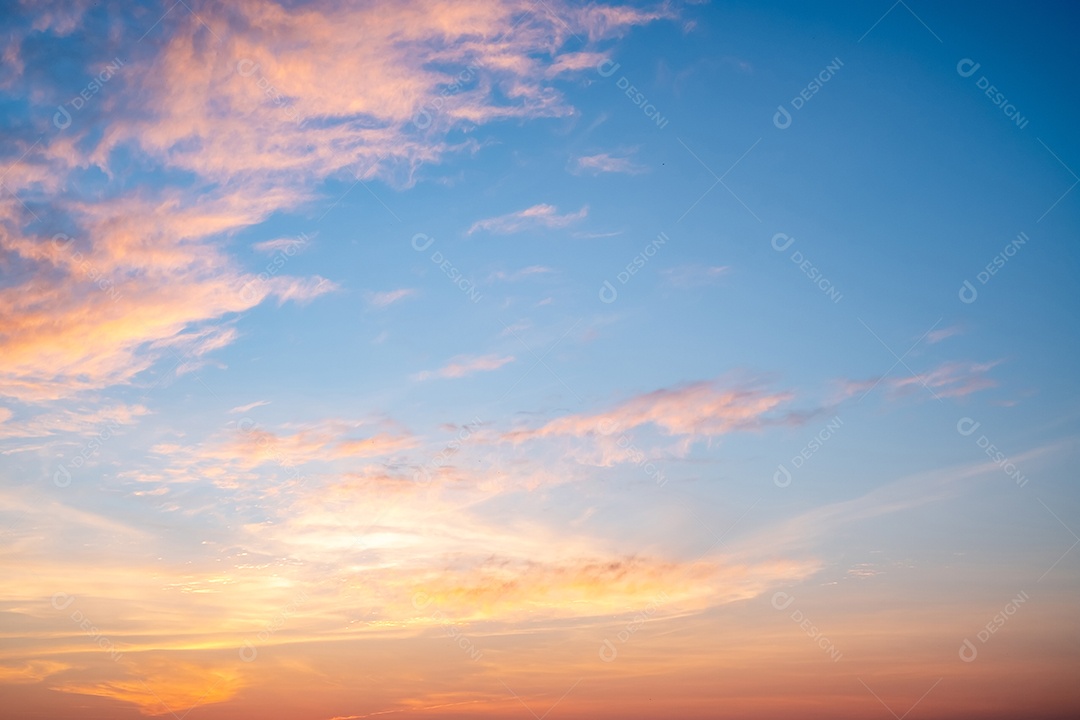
x,y
31,671
137,284
167,685
507,590
247,99
247,452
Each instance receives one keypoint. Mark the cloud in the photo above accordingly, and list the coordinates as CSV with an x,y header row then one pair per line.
x,y
687,276
537,216
605,163
58,421
249,451
739,64
568,62
385,299
276,75
463,365
936,336
328,440
238,114
139,281
592,236
161,684
282,245
701,409
948,380
303,290
249,406
509,589
519,274
954,379
31,671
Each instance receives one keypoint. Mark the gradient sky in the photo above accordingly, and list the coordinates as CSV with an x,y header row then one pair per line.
x,y
539,359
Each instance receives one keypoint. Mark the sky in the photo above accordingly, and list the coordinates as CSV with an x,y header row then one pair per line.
x,y
539,359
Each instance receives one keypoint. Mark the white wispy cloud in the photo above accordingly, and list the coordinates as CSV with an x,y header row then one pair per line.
x,y
249,406
537,216
285,244
606,163
936,336
519,274
388,297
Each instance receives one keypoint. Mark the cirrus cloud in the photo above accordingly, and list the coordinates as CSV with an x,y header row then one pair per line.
x,y
531,218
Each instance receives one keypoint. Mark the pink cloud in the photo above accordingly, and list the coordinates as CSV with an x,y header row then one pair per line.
x,y
951,379
537,216
700,409
463,365
257,120
955,379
